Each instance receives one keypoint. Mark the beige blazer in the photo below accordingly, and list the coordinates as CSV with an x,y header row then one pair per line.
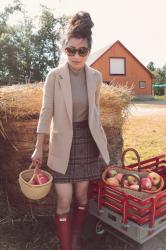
x,y
56,115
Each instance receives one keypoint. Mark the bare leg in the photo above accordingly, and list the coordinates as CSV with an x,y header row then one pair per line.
x,y
64,197
81,190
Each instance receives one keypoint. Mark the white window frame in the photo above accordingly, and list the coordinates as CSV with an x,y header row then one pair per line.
x,y
117,66
142,84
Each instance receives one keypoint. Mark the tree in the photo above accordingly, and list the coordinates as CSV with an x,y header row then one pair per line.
x,y
46,43
151,66
8,48
27,52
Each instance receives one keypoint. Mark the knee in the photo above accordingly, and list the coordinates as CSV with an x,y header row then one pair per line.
x,y
63,205
82,199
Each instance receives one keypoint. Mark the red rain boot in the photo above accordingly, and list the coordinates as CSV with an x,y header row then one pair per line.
x,y
79,215
63,226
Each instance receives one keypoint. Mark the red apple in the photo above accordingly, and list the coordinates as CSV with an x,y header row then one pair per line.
x,y
41,178
119,176
126,183
155,178
112,181
111,173
33,182
146,183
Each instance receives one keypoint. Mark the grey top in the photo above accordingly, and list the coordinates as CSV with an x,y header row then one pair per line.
x,y
79,95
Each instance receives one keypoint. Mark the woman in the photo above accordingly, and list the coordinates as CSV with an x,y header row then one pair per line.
x,y
70,114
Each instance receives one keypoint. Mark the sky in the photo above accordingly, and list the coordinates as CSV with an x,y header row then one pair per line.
x,y
139,24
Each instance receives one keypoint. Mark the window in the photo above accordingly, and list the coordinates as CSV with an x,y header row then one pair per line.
x,y
142,84
117,66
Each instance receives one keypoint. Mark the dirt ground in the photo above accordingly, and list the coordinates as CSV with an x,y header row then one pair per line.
x,y
145,131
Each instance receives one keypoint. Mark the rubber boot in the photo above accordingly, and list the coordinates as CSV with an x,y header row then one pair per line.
x,y
63,227
79,215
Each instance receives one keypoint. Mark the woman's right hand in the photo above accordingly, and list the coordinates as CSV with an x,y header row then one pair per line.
x,y
37,157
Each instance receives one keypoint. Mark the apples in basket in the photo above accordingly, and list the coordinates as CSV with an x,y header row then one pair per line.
x,y
148,181
35,183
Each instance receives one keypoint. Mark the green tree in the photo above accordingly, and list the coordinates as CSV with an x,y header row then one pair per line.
x,y
27,53
7,47
46,43
151,66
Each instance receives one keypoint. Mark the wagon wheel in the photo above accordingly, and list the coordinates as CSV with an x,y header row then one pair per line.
x,y
137,156
100,228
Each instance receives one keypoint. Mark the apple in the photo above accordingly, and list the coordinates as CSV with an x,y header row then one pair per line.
x,y
111,173
119,176
41,178
133,179
33,182
146,183
155,178
112,181
126,183
134,187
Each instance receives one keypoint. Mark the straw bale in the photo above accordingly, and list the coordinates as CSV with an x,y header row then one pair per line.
x,y
114,104
20,101
20,106
24,101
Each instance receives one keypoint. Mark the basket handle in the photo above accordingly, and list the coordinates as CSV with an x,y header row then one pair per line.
x,y
137,156
36,168
125,176
31,165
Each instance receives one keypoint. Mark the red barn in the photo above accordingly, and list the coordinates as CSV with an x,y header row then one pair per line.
x,y
118,65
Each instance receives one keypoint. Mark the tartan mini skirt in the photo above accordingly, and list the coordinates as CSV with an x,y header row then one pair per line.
x,y
84,163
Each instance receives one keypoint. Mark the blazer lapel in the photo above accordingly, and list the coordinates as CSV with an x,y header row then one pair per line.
x,y
91,88
64,80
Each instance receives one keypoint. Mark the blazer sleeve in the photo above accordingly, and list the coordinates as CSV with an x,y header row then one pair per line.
x,y
46,112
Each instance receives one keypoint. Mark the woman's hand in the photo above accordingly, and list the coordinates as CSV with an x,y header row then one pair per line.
x,y
37,157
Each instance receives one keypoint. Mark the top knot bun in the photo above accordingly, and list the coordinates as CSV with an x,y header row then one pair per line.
x,y
81,19
80,26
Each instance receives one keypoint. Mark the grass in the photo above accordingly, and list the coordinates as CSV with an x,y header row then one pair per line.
x,y
147,134
162,97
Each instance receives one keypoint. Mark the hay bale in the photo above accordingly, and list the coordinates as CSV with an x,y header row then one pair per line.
x,y
20,106
20,102
114,104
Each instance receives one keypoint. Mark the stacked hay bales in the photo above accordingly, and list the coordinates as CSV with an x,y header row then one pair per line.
x,y
114,106
19,112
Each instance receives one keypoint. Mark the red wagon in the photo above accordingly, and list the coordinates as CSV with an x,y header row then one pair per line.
x,y
140,216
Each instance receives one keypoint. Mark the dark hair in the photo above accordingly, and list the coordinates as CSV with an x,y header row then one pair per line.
x,y
79,27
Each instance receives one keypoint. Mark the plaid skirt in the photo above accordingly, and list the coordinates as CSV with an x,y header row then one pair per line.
x,y
84,162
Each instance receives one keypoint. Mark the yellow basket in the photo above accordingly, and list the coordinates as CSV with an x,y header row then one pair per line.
x,y
34,192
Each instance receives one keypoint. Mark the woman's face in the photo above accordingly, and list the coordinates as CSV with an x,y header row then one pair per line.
x,y
77,52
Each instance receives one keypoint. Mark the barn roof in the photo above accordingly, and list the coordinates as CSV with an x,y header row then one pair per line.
x,y
96,55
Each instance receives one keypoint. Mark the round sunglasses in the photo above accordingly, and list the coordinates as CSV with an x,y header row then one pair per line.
x,y
71,51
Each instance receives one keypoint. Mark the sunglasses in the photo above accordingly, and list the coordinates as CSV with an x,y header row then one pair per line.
x,y
71,51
